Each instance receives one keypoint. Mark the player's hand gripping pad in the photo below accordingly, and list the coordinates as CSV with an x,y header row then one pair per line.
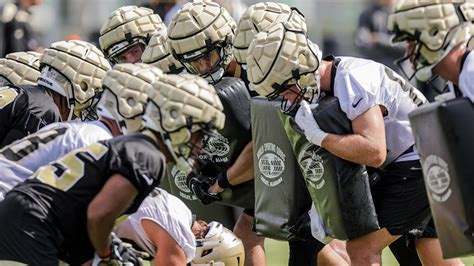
x,y
175,183
340,189
444,136
281,196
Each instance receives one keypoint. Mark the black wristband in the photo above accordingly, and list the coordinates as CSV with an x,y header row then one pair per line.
x,y
222,180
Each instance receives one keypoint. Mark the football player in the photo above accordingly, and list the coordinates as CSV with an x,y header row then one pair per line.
x,y
164,227
20,68
436,48
68,208
120,109
377,101
71,74
257,18
127,31
200,38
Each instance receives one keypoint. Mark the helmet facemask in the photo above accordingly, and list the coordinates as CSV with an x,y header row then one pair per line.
x,y
180,142
116,50
108,107
305,85
294,85
425,59
435,28
221,51
89,112
219,246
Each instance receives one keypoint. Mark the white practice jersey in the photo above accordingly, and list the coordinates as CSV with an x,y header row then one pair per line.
x,y
22,158
361,84
167,211
466,79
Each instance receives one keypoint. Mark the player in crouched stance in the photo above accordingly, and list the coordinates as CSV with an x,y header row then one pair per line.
x,y
67,210
164,227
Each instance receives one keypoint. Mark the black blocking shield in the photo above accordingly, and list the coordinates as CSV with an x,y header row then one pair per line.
x,y
340,189
444,138
281,196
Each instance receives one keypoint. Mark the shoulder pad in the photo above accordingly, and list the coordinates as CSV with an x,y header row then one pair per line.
x,y
231,85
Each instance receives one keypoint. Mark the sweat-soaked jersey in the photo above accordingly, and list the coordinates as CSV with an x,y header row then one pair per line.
x,y
24,110
23,157
66,186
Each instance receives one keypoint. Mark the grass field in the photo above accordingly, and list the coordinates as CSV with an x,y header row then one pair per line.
x,y
277,255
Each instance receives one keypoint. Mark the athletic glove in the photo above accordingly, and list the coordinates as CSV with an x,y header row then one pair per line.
x,y
120,253
301,230
305,120
199,186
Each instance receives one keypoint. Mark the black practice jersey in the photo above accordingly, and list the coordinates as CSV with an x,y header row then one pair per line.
x,y
66,187
225,147
24,110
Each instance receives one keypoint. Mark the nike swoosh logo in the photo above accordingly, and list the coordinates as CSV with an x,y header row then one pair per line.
x,y
357,103
148,180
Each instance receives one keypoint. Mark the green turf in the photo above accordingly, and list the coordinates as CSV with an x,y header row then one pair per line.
x,y
277,254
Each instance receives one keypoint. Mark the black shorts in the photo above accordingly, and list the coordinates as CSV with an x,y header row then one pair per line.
x,y
25,237
400,198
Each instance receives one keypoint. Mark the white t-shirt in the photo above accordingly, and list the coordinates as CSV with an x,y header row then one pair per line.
x,y
466,78
22,158
167,211
361,84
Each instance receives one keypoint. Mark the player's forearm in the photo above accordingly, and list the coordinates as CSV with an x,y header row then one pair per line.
x,y
242,169
170,259
99,228
355,148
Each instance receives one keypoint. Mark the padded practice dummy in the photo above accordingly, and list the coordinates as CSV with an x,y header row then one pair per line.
x,y
281,196
231,140
444,136
175,183
340,189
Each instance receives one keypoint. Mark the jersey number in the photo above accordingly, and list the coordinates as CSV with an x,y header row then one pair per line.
x,y
22,148
413,93
68,170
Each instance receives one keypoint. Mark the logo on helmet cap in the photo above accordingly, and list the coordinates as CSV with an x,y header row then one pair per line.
x,y
312,165
437,178
271,164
